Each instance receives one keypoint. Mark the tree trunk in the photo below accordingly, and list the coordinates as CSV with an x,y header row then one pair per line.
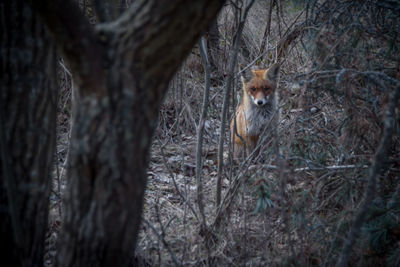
x,y
122,71
28,99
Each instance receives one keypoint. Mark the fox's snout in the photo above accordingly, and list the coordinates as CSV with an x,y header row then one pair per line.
x,y
260,101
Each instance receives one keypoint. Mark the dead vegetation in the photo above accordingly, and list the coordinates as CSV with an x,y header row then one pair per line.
x,y
295,204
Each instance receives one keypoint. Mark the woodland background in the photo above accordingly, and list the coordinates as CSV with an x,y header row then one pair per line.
x,y
325,190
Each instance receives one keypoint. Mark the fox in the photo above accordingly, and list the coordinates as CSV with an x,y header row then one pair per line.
x,y
256,109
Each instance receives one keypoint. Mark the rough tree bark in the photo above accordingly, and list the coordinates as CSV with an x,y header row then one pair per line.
x,y
122,70
28,98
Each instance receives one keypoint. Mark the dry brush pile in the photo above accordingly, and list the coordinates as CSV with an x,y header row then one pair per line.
x,y
326,187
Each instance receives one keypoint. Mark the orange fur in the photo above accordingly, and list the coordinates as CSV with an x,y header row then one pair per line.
x,y
255,110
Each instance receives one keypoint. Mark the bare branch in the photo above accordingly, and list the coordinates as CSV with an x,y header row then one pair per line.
x,y
227,91
304,169
174,182
159,38
102,9
200,129
77,40
162,239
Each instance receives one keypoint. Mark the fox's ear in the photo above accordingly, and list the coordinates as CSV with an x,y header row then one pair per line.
x,y
272,73
246,74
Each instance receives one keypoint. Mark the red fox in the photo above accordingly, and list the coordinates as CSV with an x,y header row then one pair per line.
x,y
255,110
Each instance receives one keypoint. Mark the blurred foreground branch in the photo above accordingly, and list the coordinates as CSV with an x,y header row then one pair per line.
x,y
227,91
200,129
377,168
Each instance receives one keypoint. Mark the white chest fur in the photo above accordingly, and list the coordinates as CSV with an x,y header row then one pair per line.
x,y
257,118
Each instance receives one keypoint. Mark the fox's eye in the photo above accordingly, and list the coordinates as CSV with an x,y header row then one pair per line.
x,y
266,89
253,89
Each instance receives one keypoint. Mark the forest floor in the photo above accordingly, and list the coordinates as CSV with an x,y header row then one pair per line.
x,y
255,233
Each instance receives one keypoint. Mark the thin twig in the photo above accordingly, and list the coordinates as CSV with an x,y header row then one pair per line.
x,y
282,174
162,239
174,181
200,129
227,91
304,169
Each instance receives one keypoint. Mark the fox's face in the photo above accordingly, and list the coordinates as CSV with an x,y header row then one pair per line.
x,y
260,90
260,85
